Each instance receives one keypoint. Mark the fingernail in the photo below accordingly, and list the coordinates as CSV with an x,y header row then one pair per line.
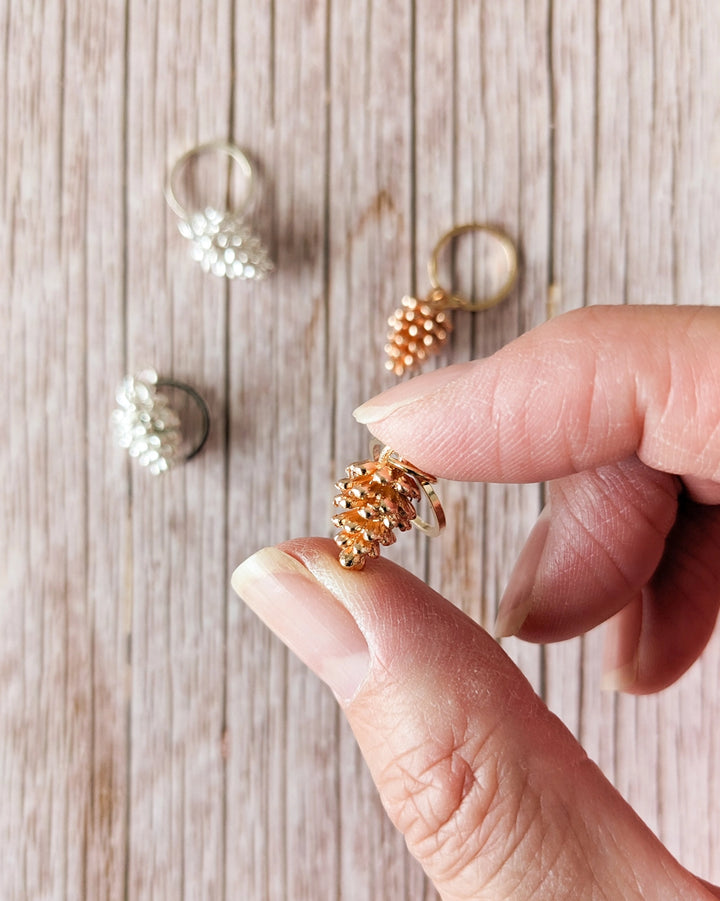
x,y
306,617
383,405
517,601
621,678
620,649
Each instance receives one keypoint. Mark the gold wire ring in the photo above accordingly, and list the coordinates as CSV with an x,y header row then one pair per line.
x,y
457,301
225,147
382,453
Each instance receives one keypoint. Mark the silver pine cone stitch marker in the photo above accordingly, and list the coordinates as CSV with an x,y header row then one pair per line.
x,y
222,242
150,429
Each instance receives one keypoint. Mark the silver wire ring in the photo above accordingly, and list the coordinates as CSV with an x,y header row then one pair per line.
x,y
231,150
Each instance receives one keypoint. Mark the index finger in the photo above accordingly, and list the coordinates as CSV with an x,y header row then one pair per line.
x,y
588,388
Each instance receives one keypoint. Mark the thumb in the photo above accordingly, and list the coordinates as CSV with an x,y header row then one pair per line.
x,y
495,797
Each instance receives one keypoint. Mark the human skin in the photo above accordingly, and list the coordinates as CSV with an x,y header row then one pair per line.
x,y
618,409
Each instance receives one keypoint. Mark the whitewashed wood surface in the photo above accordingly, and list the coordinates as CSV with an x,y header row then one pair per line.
x,y
155,741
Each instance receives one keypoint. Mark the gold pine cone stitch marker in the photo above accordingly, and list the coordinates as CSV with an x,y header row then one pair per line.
x,y
419,328
377,497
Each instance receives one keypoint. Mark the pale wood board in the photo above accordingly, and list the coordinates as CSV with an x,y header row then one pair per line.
x,y
155,740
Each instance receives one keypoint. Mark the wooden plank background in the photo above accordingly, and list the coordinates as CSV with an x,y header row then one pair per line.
x,y
155,740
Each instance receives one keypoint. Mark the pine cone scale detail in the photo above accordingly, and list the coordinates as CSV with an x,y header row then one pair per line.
x,y
376,499
224,244
144,423
418,330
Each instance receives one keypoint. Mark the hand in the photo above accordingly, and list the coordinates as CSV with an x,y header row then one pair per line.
x,y
620,409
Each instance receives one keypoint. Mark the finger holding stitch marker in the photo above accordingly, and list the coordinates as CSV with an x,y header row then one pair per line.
x,y
494,796
618,408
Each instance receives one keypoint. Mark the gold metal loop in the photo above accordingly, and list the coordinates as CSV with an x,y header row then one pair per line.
x,y
383,453
431,529
458,301
225,147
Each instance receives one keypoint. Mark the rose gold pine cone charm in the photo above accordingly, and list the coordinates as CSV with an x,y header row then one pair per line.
x,y
418,329
378,497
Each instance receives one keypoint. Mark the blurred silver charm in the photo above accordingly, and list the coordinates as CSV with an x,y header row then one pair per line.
x,y
222,242
150,429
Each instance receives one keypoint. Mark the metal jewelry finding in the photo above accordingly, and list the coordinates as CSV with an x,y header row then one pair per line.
x,y
419,328
222,242
377,497
148,427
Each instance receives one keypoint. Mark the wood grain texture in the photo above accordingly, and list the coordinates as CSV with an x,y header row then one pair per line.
x,y
155,741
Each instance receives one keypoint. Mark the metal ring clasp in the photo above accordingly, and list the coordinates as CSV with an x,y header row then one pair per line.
x,y
458,301
231,150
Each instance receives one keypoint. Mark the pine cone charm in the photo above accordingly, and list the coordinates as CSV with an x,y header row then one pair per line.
x,y
145,425
224,244
376,498
418,329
